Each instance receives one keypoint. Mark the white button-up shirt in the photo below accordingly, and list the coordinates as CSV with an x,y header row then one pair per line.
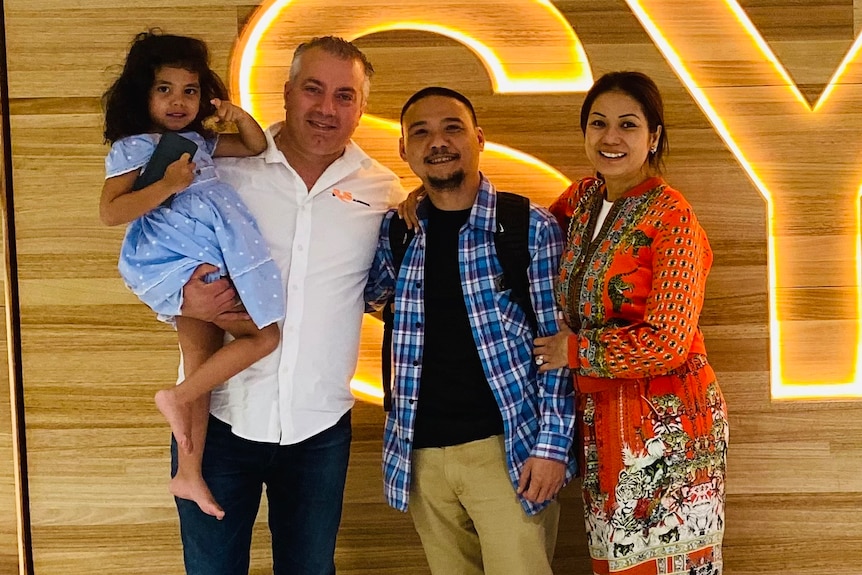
x,y
323,241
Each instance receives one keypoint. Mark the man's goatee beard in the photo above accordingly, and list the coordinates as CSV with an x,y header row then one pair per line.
x,y
451,182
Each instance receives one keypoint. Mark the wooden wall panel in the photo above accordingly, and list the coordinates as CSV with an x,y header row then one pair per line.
x,y
8,512
8,496
93,356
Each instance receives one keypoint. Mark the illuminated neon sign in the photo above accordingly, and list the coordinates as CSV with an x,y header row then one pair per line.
x,y
527,46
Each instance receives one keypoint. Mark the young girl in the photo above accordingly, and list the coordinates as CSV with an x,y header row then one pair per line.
x,y
183,220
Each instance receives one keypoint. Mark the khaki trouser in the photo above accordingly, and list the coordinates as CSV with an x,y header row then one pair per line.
x,y
468,516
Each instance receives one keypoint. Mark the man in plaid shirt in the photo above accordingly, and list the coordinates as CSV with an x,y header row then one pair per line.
x,y
477,440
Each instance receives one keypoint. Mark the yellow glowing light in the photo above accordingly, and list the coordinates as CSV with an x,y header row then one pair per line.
x,y
765,50
839,72
367,391
512,155
781,387
502,81
247,48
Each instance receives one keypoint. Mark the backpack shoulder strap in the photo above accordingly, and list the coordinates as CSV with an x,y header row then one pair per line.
x,y
512,242
399,238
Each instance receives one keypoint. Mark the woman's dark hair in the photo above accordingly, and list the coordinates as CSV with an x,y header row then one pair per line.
x,y
127,101
640,87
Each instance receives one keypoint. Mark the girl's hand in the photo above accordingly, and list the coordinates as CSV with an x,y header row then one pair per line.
x,y
249,140
407,208
552,352
179,174
227,112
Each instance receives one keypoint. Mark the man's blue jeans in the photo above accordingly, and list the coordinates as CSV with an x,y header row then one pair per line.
x,y
304,488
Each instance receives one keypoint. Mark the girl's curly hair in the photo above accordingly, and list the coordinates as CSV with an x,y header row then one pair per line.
x,y
126,102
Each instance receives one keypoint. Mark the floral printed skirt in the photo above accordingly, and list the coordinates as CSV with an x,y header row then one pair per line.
x,y
654,474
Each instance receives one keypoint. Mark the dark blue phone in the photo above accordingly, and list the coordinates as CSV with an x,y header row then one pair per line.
x,y
170,148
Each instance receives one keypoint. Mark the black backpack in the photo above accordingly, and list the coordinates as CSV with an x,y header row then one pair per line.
x,y
511,242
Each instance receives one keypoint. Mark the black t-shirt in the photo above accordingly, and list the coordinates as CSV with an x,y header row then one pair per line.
x,y
455,404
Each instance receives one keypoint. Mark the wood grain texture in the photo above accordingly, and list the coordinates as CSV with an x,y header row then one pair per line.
x,y
94,356
8,496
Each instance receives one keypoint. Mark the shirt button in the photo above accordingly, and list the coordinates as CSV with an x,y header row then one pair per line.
x,y
416,363
411,401
418,285
418,324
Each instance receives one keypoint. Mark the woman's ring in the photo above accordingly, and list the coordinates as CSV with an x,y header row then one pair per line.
x,y
540,360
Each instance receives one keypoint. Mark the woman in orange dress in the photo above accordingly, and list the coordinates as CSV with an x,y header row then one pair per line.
x,y
652,418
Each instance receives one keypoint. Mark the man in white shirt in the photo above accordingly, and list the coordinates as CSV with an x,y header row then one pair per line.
x,y
285,421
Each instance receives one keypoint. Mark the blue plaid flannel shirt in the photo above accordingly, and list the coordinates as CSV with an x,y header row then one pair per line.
x,y
538,409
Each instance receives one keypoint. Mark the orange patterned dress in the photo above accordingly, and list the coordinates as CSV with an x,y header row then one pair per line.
x,y
652,418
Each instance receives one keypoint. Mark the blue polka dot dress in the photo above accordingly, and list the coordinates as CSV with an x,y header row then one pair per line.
x,y
205,223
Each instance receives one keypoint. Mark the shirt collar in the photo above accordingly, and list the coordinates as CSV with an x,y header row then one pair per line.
x,y
644,187
483,214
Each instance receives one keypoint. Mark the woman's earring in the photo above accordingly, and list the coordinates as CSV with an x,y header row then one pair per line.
x,y
653,149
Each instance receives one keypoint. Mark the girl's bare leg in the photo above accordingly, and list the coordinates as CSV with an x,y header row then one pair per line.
x,y
250,344
199,341
186,406
188,483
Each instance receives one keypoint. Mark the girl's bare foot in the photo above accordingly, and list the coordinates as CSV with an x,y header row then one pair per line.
x,y
178,416
195,489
